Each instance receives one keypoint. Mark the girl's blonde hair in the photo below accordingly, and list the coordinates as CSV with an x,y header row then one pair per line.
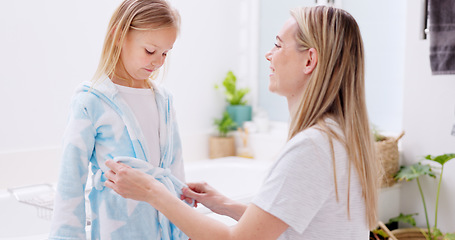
x,y
336,89
138,15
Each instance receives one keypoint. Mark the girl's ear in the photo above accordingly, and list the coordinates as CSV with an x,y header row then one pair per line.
x,y
312,61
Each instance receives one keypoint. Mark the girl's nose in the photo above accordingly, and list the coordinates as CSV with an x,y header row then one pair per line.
x,y
159,60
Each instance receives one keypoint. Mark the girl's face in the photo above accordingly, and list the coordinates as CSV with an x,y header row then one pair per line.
x,y
287,63
144,52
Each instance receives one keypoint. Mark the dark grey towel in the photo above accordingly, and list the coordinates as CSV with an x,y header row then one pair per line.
x,y
442,36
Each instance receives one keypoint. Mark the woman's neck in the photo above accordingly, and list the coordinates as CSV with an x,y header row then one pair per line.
x,y
293,104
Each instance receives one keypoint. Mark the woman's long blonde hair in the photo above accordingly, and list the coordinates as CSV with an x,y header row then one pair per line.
x,y
336,89
137,15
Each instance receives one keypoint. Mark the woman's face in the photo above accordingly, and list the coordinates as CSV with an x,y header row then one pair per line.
x,y
145,51
287,63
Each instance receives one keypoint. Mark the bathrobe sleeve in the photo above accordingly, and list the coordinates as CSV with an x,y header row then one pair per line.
x,y
69,217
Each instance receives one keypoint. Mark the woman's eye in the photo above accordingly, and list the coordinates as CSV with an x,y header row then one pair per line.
x,y
277,46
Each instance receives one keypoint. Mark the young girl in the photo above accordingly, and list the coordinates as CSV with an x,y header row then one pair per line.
x,y
122,115
323,185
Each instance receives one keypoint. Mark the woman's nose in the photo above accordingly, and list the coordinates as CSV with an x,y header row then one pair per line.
x,y
268,55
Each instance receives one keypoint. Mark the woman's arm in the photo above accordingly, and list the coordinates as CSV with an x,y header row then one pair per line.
x,y
255,223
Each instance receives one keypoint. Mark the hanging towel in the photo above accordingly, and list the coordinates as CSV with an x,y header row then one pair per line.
x,y
442,36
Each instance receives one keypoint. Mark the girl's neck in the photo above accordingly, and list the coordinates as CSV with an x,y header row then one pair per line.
x,y
134,83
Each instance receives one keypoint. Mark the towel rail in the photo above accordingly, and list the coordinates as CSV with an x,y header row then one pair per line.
x,y
424,22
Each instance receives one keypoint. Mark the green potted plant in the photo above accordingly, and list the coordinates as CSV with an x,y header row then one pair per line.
x,y
222,145
238,108
415,171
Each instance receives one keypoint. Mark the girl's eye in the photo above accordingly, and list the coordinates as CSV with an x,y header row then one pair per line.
x,y
148,52
277,46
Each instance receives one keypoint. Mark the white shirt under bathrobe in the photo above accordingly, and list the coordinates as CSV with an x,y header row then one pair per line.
x,y
102,126
300,190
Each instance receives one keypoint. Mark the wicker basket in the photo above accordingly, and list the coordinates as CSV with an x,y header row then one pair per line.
x,y
221,147
404,233
387,153
409,234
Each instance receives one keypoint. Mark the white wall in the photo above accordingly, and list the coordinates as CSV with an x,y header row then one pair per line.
x,y
382,25
428,116
215,37
48,47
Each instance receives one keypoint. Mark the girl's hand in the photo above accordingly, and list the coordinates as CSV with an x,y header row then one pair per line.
x,y
131,183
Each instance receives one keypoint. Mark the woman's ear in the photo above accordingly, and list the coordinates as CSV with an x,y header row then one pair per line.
x,y
312,61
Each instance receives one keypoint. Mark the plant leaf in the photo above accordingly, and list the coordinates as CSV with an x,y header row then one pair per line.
x,y
229,83
441,159
436,232
449,236
376,133
225,124
408,218
233,95
414,171
380,232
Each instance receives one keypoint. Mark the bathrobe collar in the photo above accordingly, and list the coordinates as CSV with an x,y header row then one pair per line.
x,y
107,91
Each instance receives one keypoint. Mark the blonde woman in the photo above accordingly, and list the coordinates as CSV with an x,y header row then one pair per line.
x,y
323,185
122,115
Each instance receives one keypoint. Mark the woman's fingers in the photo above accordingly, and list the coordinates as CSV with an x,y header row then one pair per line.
x,y
188,193
189,200
200,187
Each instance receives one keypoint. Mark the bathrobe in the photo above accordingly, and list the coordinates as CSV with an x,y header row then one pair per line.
x,y
102,126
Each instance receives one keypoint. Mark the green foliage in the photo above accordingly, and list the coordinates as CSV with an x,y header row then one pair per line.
x,y
449,236
224,125
233,95
414,171
408,218
376,134
441,159
380,232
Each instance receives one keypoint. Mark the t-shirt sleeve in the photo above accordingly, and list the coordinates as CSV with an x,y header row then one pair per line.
x,y
299,183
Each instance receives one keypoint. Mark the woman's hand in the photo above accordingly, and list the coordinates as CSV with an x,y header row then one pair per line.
x,y
212,199
131,183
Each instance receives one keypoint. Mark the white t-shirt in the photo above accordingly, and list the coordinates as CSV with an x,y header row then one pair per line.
x,y
300,190
142,103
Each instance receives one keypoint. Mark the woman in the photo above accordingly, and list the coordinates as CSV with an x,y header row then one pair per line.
x,y
323,185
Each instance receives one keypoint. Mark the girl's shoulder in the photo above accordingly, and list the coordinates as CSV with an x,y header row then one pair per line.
x,y
91,97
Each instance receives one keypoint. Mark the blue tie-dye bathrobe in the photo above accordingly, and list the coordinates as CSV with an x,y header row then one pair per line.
x,y
102,126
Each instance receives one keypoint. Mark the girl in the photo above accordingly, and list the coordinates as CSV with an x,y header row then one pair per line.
x,y
122,115
324,184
